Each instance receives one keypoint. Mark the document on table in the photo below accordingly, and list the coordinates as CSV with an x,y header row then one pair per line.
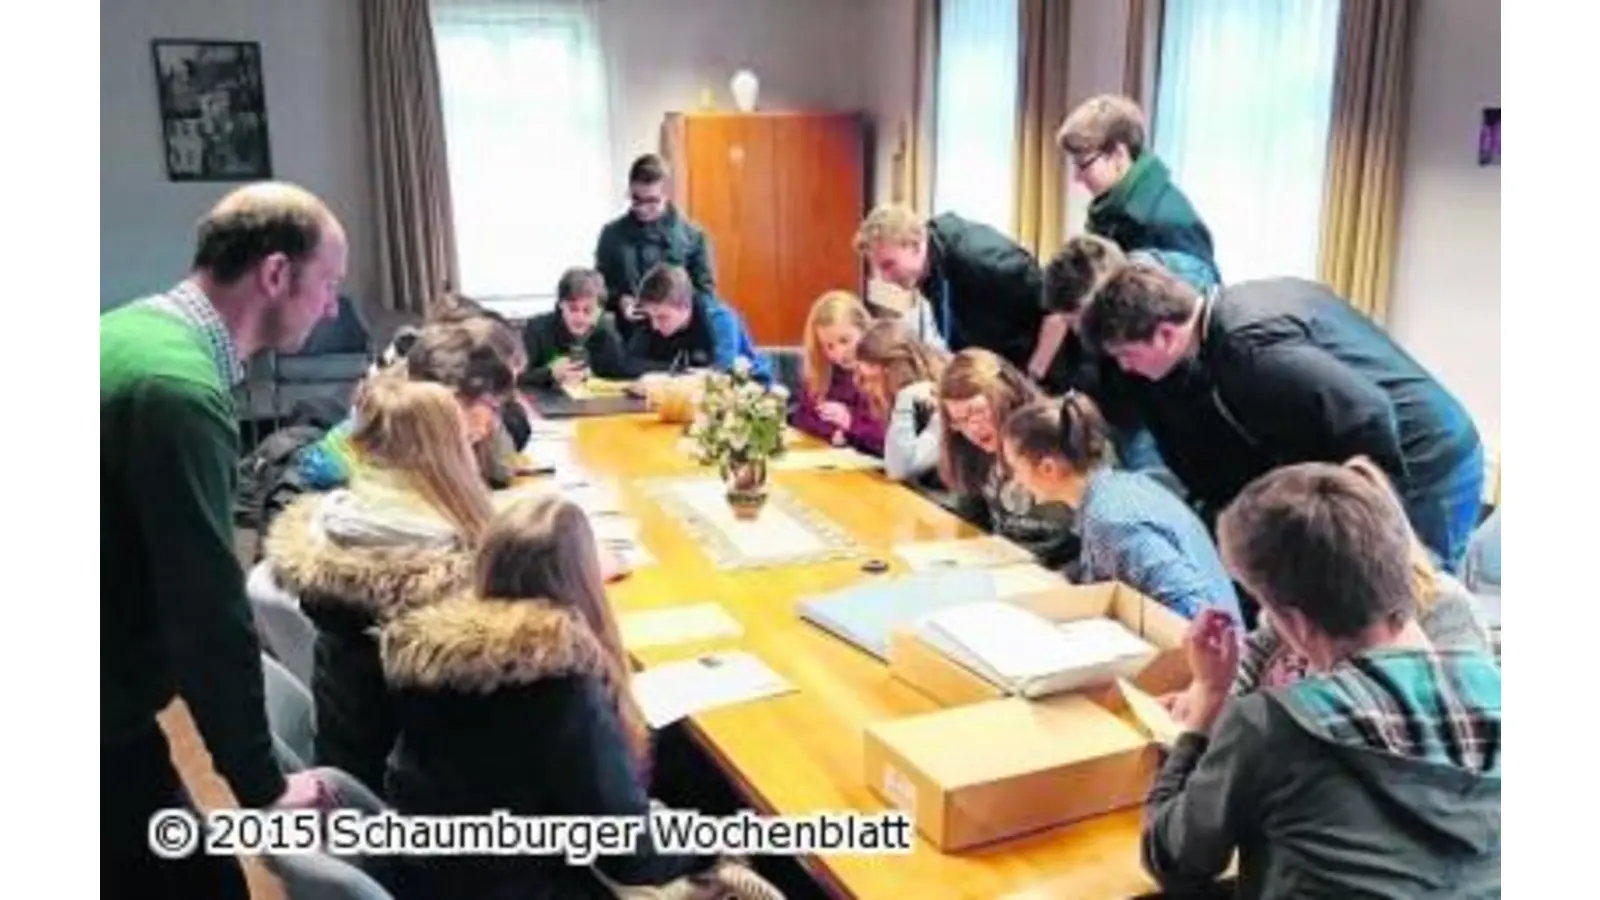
x,y
552,430
1024,579
677,625
970,553
1031,655
841,459
672,691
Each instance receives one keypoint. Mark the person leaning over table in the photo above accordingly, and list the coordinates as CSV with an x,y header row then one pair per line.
x,y
1377,774
1134,529
1266,373
470,358
174,620
899,374
977,393
983,287
576,339
687,330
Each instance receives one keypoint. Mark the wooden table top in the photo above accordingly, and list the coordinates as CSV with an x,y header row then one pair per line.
x,y
803,752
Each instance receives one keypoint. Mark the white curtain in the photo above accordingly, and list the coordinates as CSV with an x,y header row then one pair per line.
x,y
525,115
975,118
1242,115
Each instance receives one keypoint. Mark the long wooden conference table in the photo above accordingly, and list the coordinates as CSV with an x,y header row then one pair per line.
x,y
803,752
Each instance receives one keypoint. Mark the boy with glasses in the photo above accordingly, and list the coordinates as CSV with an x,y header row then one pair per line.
x,y
1136,205
650,233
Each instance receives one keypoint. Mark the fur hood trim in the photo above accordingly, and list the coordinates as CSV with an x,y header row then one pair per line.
x,y
378,581
475,645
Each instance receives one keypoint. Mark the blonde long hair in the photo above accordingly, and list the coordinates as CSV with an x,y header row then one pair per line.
x,y
889,345
963,466
1424,577
416,431
542,547
832,308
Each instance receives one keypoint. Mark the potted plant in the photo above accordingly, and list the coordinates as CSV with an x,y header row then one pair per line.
x,y
737,427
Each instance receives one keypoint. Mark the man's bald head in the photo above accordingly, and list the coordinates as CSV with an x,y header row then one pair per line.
x,y
257,221
272,257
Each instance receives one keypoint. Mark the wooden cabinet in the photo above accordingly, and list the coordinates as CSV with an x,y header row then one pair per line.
x,y
780,196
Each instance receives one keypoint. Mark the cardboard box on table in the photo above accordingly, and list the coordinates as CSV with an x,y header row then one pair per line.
x,y
990,767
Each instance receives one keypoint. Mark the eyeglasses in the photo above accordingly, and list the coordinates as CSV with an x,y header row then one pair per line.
x,y
976,413
1083,162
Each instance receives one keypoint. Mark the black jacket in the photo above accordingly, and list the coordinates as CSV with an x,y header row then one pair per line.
x,y
546,337
1288,372
347,593
504,705
986,291
628,249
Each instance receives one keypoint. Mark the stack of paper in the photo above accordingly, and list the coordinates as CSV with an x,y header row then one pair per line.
x,y
970,553
671,691
1029,655
676,625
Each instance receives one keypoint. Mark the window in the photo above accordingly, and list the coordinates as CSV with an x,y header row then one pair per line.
x,y
1242,117
975,115
525,120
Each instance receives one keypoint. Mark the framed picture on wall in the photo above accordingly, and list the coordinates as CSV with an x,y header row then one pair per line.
x,y
213,110
1489,137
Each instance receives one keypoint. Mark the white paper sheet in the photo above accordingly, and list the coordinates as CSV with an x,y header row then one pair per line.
x,y
1024,579
613,529
636,556
552,429
677,625
672,691
972,553
1019,644
842,459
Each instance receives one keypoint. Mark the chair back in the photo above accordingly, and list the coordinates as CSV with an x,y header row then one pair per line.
x,y
286,631
290,712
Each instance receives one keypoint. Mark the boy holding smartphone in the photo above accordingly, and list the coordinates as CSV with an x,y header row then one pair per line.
x,y
575,340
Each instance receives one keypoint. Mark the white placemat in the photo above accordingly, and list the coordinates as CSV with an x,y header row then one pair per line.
x,y
786,533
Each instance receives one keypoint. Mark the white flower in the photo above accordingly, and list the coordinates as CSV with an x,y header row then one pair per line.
x,y
741,366
737,441
781,392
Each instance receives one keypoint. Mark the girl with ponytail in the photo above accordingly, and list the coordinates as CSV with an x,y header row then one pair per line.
x,y
1134,530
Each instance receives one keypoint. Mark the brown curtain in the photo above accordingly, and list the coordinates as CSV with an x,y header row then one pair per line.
x,y
411,180
1366,146
1041,107
1142,54
913,159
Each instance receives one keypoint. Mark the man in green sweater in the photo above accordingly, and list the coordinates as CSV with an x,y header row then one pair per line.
x,y
174,620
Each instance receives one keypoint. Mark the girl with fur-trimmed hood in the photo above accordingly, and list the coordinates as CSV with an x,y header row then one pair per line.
x,y
515,696
396,538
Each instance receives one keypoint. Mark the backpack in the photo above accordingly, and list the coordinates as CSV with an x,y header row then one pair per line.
x,y
268,477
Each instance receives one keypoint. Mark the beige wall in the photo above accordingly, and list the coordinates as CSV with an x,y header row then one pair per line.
x,y
1446,303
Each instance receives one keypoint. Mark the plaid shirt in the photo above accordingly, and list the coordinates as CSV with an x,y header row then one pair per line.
x,y
189,303
1440,706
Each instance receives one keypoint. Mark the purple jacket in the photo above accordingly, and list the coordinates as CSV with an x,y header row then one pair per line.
x,y
866,431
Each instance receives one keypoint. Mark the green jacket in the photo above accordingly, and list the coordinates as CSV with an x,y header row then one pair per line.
x,y
1378,779
173,613
1146,211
